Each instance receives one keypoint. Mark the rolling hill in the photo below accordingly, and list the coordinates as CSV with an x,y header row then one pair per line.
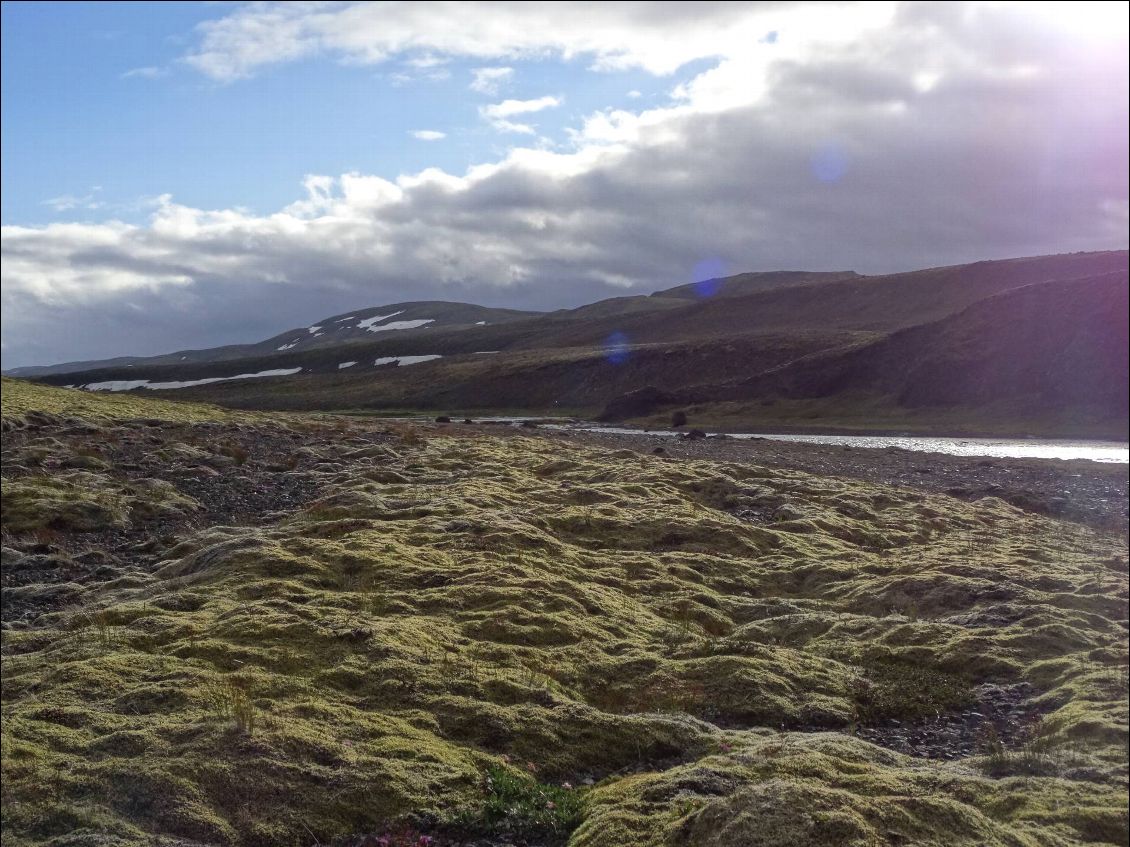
x,y
1003,334
1046,346
400,319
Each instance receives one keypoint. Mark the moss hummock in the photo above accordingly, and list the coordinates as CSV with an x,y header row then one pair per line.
x,y
448,606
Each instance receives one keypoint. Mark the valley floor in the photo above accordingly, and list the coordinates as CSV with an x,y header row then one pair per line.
x,y
249,629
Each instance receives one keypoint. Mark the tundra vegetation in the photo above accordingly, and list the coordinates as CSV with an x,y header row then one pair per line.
x,y
255,629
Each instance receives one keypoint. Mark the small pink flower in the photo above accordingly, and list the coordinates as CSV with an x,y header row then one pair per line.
x,y
531,767
549,804
726,748
505,758
425,841
567,785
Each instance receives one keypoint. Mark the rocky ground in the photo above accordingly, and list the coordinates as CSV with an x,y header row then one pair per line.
x,y
236,629
235,474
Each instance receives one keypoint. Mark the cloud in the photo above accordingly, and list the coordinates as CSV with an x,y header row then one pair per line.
x,y
428,134
489,80
69,202
656,36
427,61
149,72
824,150
499,113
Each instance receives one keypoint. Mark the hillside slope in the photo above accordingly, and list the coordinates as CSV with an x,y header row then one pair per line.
x,y
771,302
404,321
1058,344
750,338
831,302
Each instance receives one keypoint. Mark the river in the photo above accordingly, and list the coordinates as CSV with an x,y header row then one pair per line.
x,y
1116,452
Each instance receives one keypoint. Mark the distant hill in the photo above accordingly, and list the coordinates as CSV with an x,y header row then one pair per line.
x,y
1051,345
955,337
395,319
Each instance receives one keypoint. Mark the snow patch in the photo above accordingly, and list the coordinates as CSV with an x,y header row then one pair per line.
x,y
400,325
367,323
480,323
131,384
483,352
288,346
405,360
346,318
313,329
345,365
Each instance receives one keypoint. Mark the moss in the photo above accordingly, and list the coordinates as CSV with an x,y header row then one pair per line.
x,y
454,602
19,399
77,502
826,789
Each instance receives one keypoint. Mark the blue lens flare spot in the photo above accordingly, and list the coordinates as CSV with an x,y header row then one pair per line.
x,y
616,348
707,274
829,163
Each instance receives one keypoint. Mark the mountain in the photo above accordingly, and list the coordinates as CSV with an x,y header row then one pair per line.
x,y
1051,345
789,342
400,319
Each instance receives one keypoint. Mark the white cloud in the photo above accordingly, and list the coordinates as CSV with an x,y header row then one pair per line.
x,y
428,134
499,114
149,72
656,36
489,80
427,61
69,202
509,108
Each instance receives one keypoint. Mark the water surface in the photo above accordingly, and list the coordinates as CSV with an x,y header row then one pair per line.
x,y
1117,452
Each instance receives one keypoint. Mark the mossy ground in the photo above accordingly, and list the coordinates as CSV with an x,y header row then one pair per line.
x,y
453,604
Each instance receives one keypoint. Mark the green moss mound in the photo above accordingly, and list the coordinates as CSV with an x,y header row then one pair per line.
x,y
450,607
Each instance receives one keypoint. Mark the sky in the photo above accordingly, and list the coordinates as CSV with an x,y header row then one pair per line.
x,y
182,175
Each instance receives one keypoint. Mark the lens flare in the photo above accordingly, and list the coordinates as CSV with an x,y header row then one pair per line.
x,y
829,163
616,349
707,275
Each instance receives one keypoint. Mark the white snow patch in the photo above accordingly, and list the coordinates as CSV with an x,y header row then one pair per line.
x,y
117,385
405,360
288,346
480,323
400,325
345,365
367,323
483,352
312,329
131,384
346,318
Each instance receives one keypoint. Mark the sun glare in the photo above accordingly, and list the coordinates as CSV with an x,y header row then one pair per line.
x,y
1105,21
